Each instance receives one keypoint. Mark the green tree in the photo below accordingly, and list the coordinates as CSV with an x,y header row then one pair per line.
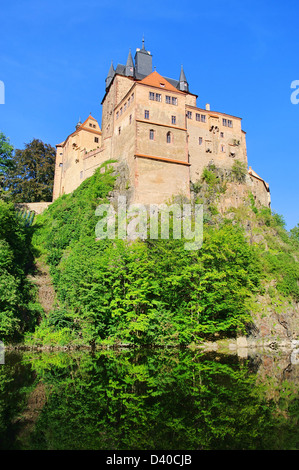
x,y
295,233
18,311
31,177
6,153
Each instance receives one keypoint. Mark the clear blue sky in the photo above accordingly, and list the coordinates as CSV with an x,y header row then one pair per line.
x,y
239,56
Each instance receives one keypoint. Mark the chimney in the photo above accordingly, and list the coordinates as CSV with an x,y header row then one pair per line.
x,y
208,107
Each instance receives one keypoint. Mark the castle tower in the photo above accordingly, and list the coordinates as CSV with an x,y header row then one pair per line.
x,y
143,62
110,75
129,69
183,84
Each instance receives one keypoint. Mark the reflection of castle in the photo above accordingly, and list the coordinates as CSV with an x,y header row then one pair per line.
x,y
153,124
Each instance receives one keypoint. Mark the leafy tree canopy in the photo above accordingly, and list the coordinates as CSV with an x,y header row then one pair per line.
x,y
31,175
6,152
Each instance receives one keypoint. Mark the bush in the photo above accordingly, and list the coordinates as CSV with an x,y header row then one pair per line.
x,y
18,311
239,171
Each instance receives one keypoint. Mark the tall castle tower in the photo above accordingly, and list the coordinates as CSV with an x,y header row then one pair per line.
x,y
153,124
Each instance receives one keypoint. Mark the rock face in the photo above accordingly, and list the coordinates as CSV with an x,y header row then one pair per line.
x,y
271,325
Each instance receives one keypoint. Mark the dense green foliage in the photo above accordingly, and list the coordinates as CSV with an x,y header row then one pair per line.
x,y
6,152
145,400
278,250
143,292
18,311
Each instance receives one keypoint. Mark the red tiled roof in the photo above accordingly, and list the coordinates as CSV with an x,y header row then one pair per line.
x,y
156,80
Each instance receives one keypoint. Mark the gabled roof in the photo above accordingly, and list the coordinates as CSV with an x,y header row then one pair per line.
x,y
81,128
156,80
255,175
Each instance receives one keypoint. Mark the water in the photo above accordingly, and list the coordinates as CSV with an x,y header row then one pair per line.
x,y
148,400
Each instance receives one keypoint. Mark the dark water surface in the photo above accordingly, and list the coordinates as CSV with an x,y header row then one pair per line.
x,y
148,400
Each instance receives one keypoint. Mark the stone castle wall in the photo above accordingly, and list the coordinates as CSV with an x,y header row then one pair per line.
x,y
165,146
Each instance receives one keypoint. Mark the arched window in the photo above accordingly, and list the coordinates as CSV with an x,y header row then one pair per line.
x,y
168,137
152,134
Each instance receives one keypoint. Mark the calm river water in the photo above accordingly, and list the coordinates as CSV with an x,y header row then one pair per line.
x,y
166,399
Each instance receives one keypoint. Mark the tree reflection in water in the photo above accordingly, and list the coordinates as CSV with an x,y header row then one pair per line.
x,y
146,400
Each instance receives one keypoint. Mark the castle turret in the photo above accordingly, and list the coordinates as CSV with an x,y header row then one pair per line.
x,y
129,69
183,84
110,75
143,62
79,123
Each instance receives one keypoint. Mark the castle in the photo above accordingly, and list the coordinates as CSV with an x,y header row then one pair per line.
x,y
153,124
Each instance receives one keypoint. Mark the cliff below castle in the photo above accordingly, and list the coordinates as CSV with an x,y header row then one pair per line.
x,y
241,285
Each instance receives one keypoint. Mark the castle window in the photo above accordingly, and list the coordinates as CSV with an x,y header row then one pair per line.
x,y
222,134
119,130
117,114
168,137
203,118
132,97
158,97
200,140
173,119
130,119
229,123
96,139
152,134
197,117
222,148
90,125
129,101
121,111
151,96
189,114
125,106
224,122
171,100
146,114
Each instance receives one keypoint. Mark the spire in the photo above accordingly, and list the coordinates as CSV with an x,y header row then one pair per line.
x,y
129,70
183,81
79,123
110,75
